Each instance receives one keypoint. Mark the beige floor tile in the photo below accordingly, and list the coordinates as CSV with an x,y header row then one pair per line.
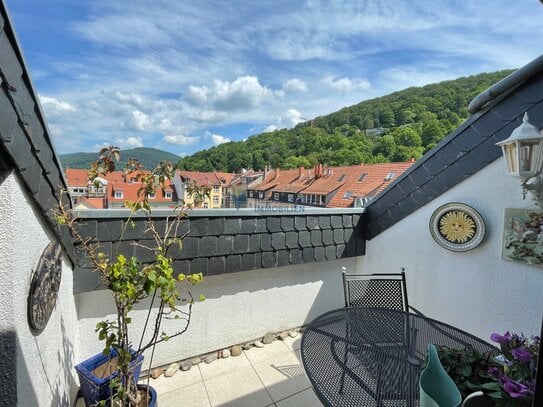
x,y
293,343
305,398
240,388
179,380
190,396
271,350
282,375
220,367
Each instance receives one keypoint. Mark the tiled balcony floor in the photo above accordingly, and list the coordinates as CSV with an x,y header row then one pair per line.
x,y
259,377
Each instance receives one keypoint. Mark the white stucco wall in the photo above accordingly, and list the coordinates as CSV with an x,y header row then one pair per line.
x,y
475,290
239,307
44,362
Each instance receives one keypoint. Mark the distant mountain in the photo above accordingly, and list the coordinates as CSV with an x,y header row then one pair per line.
x,y
148,157
391,128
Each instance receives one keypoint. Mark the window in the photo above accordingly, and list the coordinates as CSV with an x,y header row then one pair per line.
x,y
168,195
261,194
118,194
347,195
216,188
205,205
251,194
151,195
390,176
276,196
362,177
215,200
290,197
341,178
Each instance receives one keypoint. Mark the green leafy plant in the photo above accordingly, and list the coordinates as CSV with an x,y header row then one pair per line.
x,y
132,281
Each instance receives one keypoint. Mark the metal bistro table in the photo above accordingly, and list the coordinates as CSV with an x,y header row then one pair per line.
x,y
373,356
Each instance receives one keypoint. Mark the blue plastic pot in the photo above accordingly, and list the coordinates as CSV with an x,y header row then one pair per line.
x,y
152,394
95,389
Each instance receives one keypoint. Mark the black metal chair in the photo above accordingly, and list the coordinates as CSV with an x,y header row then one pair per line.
x,y
376,290
379,290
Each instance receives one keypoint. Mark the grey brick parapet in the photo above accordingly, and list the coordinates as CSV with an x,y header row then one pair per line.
x,y
227,241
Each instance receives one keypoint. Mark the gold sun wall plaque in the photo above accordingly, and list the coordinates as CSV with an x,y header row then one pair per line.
x,y
457,227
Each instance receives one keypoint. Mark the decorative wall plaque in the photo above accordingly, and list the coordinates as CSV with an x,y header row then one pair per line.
x,y
523,236
457,227
44,287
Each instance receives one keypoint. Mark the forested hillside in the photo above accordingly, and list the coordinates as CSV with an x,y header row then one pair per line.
x,y
394,127
148,157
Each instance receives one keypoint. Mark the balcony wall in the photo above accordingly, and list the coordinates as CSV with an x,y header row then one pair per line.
x,y
475,290
37,369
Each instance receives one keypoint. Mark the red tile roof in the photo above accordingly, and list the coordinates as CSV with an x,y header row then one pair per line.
x,y
225,177
92,203
279,180
76,177
130,192
202,179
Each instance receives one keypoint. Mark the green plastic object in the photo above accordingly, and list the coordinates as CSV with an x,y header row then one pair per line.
x,y
437,389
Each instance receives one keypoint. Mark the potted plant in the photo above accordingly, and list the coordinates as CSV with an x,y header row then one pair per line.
x,y
507,375
111,377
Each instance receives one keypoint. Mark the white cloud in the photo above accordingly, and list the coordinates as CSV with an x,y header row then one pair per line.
x,y
140,121
129,142
218,139
53,106
287,119
270,128
179,139
345,85
243,93
295,85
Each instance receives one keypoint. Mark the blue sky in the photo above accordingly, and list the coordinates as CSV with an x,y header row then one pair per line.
x,y
186,75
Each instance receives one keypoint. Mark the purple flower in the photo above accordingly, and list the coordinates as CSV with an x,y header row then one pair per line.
x,y
501,339
514,389
494,372
522,354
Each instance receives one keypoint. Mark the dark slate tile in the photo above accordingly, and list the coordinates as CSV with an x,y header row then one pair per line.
x,y
233,263
328,237
316,238
254,243
350,249
406,185
510,108
126,248
324,222
348,234
283,258
199,265
144,251
296,256
241,243
134,230
330,252
356,220
183,228
258,259
225,245
248,262
304,238
199,226
261,225
181,267
409,205
268,260
216,226
248,225
396,213
338,236
278,241
320,254
348,221
292,240
44,197
207,246
420,197
32,174
216,265
467,141
109,230
530,91
308,255
340,251
287,223
87,229
300,223
274,224
336,221
418,177
433,165
266,242
9,122
312,222
360,247
232,226
485,126
190,247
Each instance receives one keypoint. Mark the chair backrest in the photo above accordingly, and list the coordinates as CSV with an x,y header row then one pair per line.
x,y
376,290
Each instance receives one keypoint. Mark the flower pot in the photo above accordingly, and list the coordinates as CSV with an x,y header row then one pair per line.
x,y
96,387
152,395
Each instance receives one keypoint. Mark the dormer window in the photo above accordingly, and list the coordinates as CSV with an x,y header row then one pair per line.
x,y
118,195
341,178
390,176
362,177
276,196
168,195
251,194
151,195
347,195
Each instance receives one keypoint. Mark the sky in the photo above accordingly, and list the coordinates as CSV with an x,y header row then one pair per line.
x,y
185,75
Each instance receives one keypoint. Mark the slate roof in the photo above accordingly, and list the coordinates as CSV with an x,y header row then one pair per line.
x,y
25,141
469,148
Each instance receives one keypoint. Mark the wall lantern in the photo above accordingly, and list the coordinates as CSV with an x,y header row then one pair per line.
x,y
523,152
